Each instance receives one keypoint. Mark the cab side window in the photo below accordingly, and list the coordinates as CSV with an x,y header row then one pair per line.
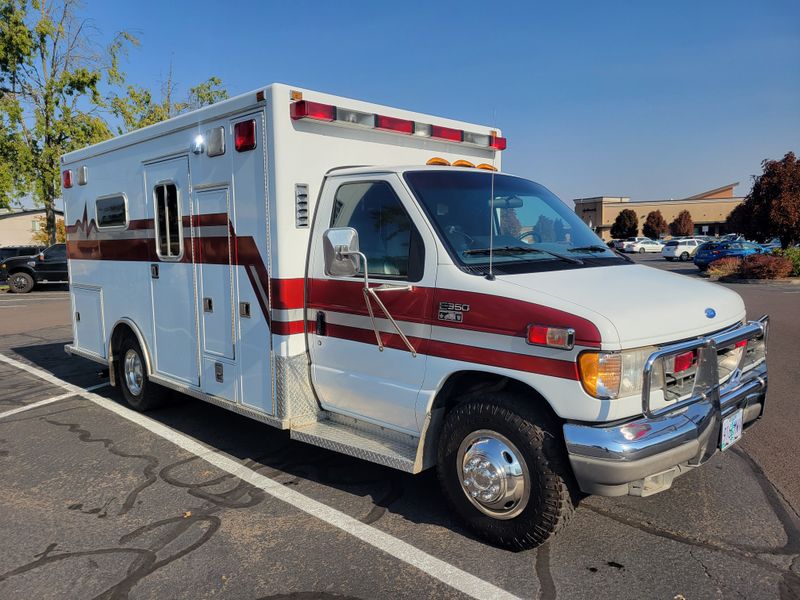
x,y
386,235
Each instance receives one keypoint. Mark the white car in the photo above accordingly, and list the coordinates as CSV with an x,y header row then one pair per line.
x,y
642,246
683,249
620,244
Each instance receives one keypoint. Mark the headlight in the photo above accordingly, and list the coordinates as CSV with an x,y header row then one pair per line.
x,y
617,374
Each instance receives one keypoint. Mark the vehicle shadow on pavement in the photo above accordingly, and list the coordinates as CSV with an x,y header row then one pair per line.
x,y
361,489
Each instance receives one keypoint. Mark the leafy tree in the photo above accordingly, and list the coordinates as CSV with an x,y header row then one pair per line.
x,y
509,222
50,72
682,225
772,208
42,235
625,225
655,225
138,108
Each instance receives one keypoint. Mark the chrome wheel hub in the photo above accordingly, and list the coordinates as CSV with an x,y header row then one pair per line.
x,y
134,375
493,474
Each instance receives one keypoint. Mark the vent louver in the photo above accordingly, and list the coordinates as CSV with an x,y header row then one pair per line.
x,y
301,204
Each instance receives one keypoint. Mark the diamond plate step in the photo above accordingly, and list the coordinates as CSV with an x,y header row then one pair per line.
x,y
361,440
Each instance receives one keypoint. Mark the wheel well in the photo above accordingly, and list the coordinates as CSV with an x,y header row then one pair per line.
x,y
122,330
22,269
457,387
459,384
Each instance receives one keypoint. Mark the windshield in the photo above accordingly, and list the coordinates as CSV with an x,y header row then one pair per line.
x,y
529,225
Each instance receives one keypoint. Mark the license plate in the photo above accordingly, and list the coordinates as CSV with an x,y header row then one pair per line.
x,y
731,429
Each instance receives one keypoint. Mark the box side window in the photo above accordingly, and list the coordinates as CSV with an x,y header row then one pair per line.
x,y
111,211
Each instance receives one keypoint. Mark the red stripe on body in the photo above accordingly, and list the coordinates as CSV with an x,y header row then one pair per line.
x,y
564,369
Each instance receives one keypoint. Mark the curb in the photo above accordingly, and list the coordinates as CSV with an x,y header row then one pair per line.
x,y
781,281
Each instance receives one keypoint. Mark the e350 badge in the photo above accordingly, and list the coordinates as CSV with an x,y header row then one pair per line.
x,y
452,312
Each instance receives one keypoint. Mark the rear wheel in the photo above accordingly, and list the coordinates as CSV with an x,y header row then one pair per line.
x,y
641,250
503,468
140,393
20,283
684,256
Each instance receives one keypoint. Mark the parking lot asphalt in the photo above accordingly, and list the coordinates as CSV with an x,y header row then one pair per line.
x,y
192,501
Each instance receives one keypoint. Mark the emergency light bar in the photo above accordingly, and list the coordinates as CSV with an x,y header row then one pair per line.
x,y
316,111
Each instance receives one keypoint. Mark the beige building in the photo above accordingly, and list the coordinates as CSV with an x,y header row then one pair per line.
x,y
17,226
708,209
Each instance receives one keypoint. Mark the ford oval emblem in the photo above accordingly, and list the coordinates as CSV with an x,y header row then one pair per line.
x,y
711,313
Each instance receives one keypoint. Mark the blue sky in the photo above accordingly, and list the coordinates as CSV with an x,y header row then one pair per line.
x,y
642,99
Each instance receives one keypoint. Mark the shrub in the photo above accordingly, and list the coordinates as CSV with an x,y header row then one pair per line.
x,y
761,266
724,267
793,254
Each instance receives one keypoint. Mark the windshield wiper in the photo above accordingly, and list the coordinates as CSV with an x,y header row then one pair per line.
x,y
590,249
511,250
503,250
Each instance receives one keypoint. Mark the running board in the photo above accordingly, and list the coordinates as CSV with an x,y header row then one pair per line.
x,y
361,440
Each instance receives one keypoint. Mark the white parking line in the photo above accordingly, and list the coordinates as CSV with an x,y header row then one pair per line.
x,y
448,574
13,305
15,411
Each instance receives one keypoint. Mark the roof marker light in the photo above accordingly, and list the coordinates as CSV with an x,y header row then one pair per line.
x,y
438,161
446,133
355,117
486,167
497,143
66,179
244,135
312,110
394,124
463,163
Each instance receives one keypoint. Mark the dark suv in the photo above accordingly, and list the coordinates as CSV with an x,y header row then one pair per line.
x,y
24,272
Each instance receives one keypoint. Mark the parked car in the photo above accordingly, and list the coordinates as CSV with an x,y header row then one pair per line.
x,y
773,244
12,251
708,253
22,273
644,245
682,249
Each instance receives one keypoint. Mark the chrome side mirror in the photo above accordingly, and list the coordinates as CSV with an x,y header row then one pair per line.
x,y
340,249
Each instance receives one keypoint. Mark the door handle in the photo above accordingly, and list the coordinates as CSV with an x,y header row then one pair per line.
x,y
321,328
208,305
154,271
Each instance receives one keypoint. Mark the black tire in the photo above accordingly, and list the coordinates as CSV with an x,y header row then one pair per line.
x,y
20,283
684,256
641,250
149,395
553,490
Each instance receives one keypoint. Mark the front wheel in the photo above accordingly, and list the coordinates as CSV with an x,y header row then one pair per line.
x,y
139,392
641,250
20,283
503,468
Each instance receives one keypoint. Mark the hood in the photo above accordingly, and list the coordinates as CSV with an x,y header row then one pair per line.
x,y
635,305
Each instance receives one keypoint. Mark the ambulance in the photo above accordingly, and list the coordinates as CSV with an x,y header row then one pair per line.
x,y
369,279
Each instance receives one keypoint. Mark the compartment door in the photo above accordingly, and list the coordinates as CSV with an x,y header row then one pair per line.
x,y
213,255
89,327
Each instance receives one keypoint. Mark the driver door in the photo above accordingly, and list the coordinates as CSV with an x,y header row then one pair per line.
x,y
350,372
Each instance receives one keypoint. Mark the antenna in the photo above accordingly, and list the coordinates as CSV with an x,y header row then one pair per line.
x,y
490,274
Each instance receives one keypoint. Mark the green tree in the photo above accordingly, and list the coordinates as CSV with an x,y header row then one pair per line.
x,y
50,73
655,225
139,108
682,225
772,208
625,225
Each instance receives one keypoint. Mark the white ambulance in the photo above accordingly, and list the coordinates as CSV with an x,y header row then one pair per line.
x,y
368,279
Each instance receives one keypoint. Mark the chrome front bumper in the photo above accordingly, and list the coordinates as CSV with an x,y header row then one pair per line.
x,y
642,456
